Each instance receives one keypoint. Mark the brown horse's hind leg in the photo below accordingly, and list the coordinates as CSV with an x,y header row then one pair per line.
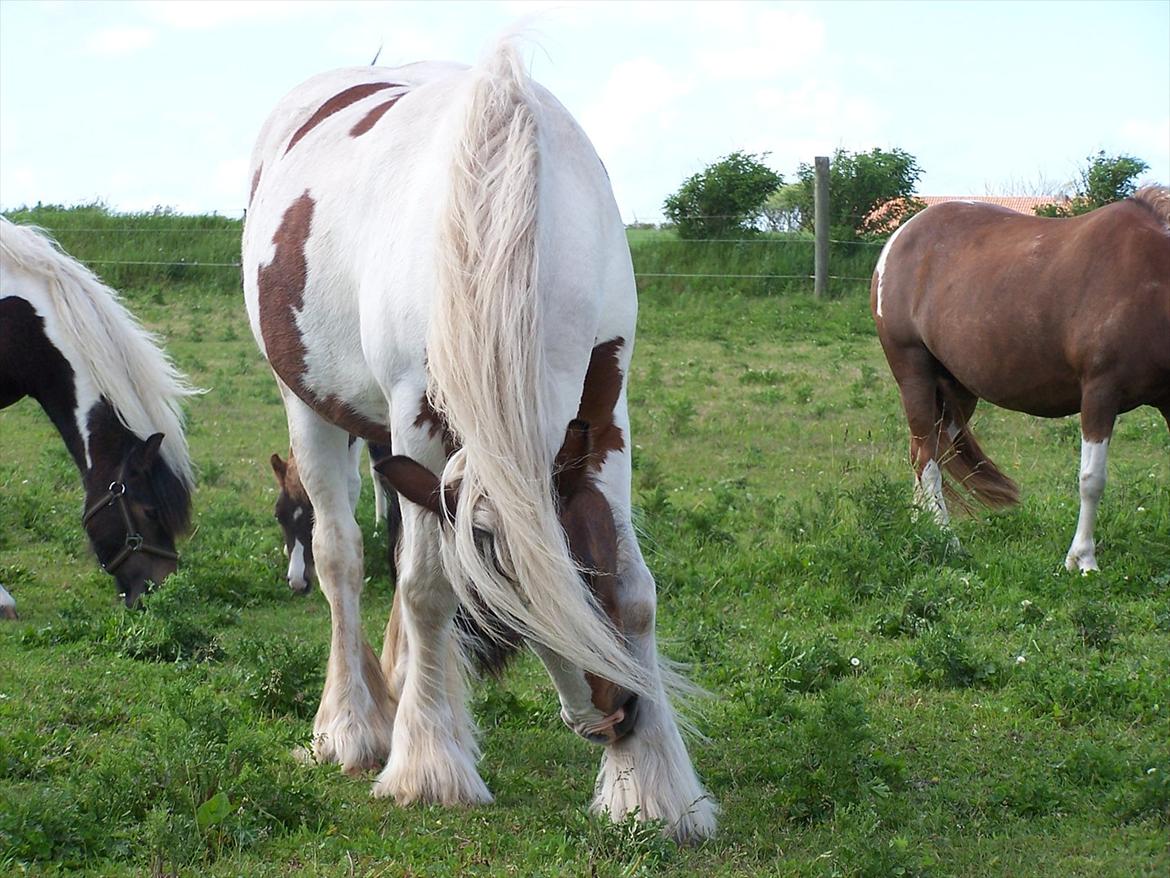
x,y
917,374
1098,411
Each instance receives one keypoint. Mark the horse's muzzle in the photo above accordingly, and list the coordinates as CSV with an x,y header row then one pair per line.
x,y
612,728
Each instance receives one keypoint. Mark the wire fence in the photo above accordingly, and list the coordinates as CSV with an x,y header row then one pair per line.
x,y
658,254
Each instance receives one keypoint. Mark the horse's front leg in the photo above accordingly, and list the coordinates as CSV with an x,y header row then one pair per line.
x,y
355,719
649,772
435,751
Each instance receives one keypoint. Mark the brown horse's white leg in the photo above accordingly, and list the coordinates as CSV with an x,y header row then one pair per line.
x,y
1082,554
355,718
915,372
1098,411
434,755
7,605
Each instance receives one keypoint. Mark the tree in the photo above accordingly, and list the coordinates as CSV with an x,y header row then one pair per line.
x,y
724,198
859,183
781,211
1104,179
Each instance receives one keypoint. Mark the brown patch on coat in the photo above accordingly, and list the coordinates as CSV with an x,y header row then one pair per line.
x,y
281,293
587,520
436,425
599,398
371,118
338,102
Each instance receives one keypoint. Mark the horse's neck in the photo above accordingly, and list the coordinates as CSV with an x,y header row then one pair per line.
x,y
107,442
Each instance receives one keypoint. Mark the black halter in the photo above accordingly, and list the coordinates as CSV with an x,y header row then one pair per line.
x,y
116,496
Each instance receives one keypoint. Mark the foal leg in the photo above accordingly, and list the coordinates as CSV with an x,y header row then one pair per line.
x,y
355,472
1098,411
355,719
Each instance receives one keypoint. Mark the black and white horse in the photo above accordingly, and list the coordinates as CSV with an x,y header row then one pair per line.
x,y
68,342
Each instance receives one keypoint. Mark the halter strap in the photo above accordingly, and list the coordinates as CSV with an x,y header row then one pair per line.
x,y
116,495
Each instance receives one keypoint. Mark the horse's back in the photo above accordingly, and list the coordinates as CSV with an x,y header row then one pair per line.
x,y
350,177
1006,302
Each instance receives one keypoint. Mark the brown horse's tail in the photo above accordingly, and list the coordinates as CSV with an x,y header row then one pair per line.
x,y
973,475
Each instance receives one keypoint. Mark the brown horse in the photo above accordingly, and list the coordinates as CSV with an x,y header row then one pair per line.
x,y
1045,316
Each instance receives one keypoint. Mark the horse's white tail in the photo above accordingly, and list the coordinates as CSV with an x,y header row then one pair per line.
x,y
124,360
487,377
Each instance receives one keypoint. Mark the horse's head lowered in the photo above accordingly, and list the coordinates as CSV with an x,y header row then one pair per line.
x,y
594,708
135,507
294,512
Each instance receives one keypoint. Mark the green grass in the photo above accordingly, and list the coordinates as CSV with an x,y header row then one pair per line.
x,y
884,704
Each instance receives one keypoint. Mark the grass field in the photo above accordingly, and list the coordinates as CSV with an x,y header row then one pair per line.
x,y
882,704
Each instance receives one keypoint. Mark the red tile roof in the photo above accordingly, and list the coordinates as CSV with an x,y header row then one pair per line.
x,y
1019,203
1026,204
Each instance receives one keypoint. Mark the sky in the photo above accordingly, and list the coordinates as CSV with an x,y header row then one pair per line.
x,y
142,104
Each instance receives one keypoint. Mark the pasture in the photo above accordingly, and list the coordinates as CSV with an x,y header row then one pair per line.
x,y
882,704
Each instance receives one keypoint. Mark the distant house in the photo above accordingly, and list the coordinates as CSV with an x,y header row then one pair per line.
x,y
895,211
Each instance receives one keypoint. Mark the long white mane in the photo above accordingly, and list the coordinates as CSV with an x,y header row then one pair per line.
x,y
123,359
487,376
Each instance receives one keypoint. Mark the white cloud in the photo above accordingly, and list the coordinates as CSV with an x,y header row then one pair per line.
x,y
119,40
229,182
635,100
760,42
1149,138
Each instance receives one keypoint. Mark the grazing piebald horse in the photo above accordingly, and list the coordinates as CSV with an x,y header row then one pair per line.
x,y
68,342
1045,316
294,511
433,253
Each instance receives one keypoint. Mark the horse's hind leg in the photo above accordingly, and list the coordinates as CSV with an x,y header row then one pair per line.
x,y
434,755
355,719
7,605
1098,412
917,375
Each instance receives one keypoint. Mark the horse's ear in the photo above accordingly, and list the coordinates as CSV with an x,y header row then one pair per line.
x,y
572,461
279,468
417,484
149,452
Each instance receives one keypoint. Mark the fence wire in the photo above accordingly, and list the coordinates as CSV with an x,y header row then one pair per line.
x,y
192,263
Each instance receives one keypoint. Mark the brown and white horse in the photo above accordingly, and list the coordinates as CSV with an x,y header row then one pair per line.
x,y
433,253
113,395
294,511
1045,316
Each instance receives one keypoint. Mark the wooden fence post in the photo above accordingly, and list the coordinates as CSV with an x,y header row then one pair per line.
x,y
821,226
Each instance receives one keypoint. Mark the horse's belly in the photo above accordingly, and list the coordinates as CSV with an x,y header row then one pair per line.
x,y
302,301
1034,385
